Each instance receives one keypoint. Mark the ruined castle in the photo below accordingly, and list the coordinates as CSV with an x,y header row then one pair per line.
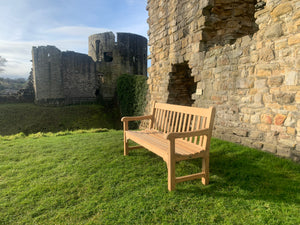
x,y
62,78
242,56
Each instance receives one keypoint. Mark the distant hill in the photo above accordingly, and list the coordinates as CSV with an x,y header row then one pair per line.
x,y
10,86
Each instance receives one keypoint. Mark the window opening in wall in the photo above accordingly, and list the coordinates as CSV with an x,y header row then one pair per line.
x,y
97,49
181,85
108,56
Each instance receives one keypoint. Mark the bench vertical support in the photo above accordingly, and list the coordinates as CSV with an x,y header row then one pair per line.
x,y
125,128
171,166
205,170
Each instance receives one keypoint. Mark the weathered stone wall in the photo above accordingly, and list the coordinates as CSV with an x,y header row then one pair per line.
x,y
79,79
244,57
62,77
126,55
47,76
69,78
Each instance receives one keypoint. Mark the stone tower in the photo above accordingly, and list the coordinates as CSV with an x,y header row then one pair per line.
x,y
126,55
62,78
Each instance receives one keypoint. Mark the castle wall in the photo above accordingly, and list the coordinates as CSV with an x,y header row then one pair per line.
x,y
69,77
47,74
125,55
79,78
62,77
244,59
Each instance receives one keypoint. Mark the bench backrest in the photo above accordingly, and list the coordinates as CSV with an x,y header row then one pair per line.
x,y
175,118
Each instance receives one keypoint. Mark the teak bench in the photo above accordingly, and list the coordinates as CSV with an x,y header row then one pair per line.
x,y
176,133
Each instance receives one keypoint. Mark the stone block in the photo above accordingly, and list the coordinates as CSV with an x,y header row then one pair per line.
x,y
284,98
286,142
269,148
291,108
267,118
235,139
292,77
274,31
283,151
275,81
244,83
247,142
266,54
294,39
281,44
291,131
258,98
258,145
263,127
240,132
261,83
279,119
290,121
263,73
255,118
278,129
267,98
295,155
282,9
256,135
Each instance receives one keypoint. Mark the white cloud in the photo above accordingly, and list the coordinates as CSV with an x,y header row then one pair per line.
x,y
75,31
18,53
65,24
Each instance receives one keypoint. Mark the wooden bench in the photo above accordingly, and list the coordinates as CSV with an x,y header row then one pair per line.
x,y
176,133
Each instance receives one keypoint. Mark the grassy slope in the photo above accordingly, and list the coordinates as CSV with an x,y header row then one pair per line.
x,y
83,178
29,118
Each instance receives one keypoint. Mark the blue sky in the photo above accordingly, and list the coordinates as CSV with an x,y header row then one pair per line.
x,y
63,23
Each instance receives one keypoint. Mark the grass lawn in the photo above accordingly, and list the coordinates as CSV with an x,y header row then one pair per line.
x,y
82,177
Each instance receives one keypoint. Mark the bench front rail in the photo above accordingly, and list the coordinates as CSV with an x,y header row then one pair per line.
x,y
175,133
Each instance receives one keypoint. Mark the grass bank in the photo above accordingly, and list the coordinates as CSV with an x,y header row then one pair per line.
x,y
82,177
30,118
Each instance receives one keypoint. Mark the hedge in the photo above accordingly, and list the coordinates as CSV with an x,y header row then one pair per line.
x,y
131,92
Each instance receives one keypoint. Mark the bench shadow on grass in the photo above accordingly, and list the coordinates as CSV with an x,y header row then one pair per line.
x,y
239,175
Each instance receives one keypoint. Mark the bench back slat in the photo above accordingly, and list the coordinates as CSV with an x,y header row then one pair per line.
x,y
176,118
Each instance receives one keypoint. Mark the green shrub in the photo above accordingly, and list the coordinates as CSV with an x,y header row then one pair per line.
x,y
131,92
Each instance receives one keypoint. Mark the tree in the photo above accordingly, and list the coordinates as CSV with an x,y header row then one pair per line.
x,y
2,63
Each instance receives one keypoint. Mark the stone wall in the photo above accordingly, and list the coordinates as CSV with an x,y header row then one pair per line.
x,y
244,58
125,55
62,77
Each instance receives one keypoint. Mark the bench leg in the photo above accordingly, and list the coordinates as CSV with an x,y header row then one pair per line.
x,y
125,128
205,170
171,167
126,150
171,175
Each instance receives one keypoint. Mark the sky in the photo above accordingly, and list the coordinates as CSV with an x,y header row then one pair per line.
x,y
66,24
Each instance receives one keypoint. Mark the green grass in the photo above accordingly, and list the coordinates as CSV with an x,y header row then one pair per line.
x,y
30,118
82,177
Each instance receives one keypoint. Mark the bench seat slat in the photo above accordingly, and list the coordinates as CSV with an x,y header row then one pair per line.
x,y
155,142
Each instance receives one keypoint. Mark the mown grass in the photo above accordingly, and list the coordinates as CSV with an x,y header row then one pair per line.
x,y
30,118
82,177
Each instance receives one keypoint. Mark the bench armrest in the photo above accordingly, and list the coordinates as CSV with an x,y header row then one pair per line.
x,y
174,135
134,118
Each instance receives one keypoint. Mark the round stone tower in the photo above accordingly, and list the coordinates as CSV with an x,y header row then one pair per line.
x,y
125,55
